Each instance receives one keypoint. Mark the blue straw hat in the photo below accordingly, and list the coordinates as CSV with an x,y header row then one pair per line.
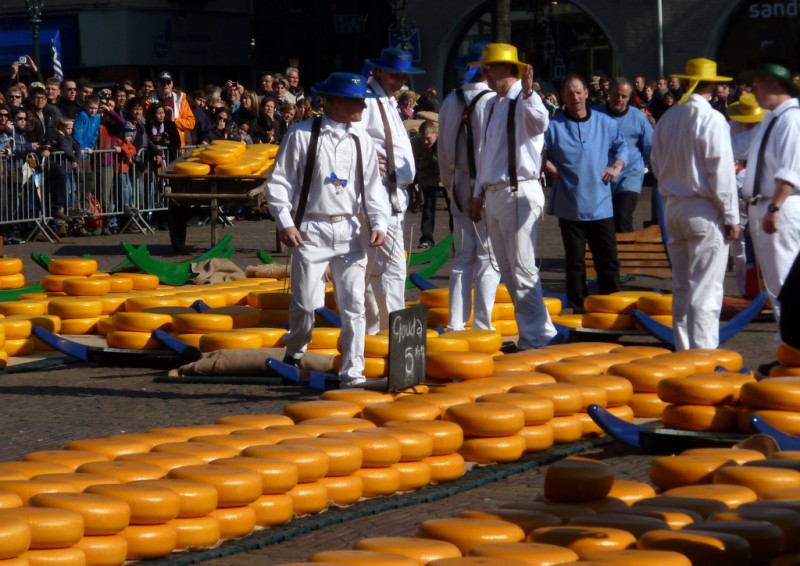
x,y
474,52
395,61
344,85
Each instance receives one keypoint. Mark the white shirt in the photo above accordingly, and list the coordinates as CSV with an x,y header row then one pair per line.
x,y
531,119
372,123
692,156
781,155
336,154
453,163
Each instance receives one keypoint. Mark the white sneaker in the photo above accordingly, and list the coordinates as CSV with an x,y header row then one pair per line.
x,y
347,382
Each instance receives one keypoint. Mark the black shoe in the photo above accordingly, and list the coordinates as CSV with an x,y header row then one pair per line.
x,y
764,369
291,360
425,245
509,348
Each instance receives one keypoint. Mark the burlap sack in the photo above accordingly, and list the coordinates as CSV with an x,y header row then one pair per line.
x,y
215,270
250,361
275,270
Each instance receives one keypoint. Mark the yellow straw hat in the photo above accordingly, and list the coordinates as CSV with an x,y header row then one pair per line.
x,y
500,53
699,70
746,110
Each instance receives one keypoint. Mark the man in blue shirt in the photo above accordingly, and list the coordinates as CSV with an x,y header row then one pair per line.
x,y
638,136
586,152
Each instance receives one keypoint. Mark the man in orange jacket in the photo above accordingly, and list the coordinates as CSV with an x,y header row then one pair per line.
x,y
175,104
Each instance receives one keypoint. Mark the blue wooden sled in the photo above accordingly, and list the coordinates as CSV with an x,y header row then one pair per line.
x,y
784,440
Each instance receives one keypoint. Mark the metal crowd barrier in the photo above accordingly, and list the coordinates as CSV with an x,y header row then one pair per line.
x,y
94,193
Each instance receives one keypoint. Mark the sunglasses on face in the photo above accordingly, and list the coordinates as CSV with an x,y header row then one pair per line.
x,y
22,119
3,114
70,89
15,96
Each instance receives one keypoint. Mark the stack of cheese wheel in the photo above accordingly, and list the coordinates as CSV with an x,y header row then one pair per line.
x,y
104,518
538,412
273,304
438,301
133,330
191,327
608,312
456,365
568,401
789,358
380,453
618,394
376,351
236,489
503,316
52,535
149,534
11,276
644,379
659,307
72,276
416,449
445,462
774,399
16,335
491,431
703,402
79,315
325,340
15,535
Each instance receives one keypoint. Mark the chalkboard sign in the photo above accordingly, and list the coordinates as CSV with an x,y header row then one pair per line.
x,y
408,330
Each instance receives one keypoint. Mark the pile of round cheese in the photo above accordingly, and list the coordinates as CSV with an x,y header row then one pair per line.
x,y
612,312
227,157
11,276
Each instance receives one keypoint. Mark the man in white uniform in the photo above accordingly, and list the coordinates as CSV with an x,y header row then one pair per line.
x,y
508,185
772,179
693,161
386,271
343,194
460,143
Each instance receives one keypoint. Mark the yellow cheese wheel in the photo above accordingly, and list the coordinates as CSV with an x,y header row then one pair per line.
x,y
360,397
446,345
269,300
54,283
28,488
165,460
312,462
415,444
72,266
606,321
110,447
577,479
442,399
630,491
655,305
102,514
127,340
584,540
528,552
379,449
220,156
701,418
121,285
729,494
361,558
421,550
702,506
189,431
79,326
10,266
302,430
191,168
15,537
739,455
486,341
613,304
633,524
70,458
72,556
667,472
213,300
447,436
9,308
413,475
446,467
561,370
439,297
19,348
526,519
79,481
49,527
146,542
675,518
201,323
567,398
788,355
306,410
487,418
235,486
700,547
644,378
471,388
537,410
230,341
787,421
779,393
16,328
141,321
618,389
272,510
196,532
641,351
148,438
69,308
308,498
257,420
468,533
28,469
458,365
785,519
537,437
344,457
487,450
765,539
647,405
86,286
702,361
757,478
146,303
720,388
196,499
149,505
731,360
784,370
206,451
380,413
123,471
3,355
633,557
680,367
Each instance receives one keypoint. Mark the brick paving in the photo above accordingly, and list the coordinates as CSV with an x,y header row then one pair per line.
x,y
46,408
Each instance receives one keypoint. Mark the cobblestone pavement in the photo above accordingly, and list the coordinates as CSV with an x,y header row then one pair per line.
x,y
45,408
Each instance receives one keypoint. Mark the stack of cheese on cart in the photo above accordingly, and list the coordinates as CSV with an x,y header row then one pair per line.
x,y
715,506
227,157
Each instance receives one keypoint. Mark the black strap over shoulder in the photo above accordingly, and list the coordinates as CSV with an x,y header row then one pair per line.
x,y
360,180
465,127
762,150
311,159
512,143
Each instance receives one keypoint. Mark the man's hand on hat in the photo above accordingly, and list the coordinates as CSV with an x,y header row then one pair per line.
x,y
291,237
376,239
527,82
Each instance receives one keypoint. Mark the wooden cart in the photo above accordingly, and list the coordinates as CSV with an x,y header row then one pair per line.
x,y
183,191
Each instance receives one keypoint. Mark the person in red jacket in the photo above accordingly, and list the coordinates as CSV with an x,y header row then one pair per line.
x,y
126,151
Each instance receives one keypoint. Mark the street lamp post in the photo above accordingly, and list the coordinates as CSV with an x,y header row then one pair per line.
x,y
35,12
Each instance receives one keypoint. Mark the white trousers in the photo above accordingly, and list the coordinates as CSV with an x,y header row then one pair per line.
x,y
512,221
386,276
472,274
776,252
342,246
698,252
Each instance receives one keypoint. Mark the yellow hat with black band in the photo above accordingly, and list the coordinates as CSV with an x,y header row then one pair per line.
x,y
500,53
700,70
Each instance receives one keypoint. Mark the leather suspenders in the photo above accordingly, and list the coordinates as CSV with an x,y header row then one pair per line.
x,y
761,151
466,128
511,129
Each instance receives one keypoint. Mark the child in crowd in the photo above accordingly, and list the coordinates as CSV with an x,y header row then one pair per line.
x,y
85,131
126,151
65,142
428,178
